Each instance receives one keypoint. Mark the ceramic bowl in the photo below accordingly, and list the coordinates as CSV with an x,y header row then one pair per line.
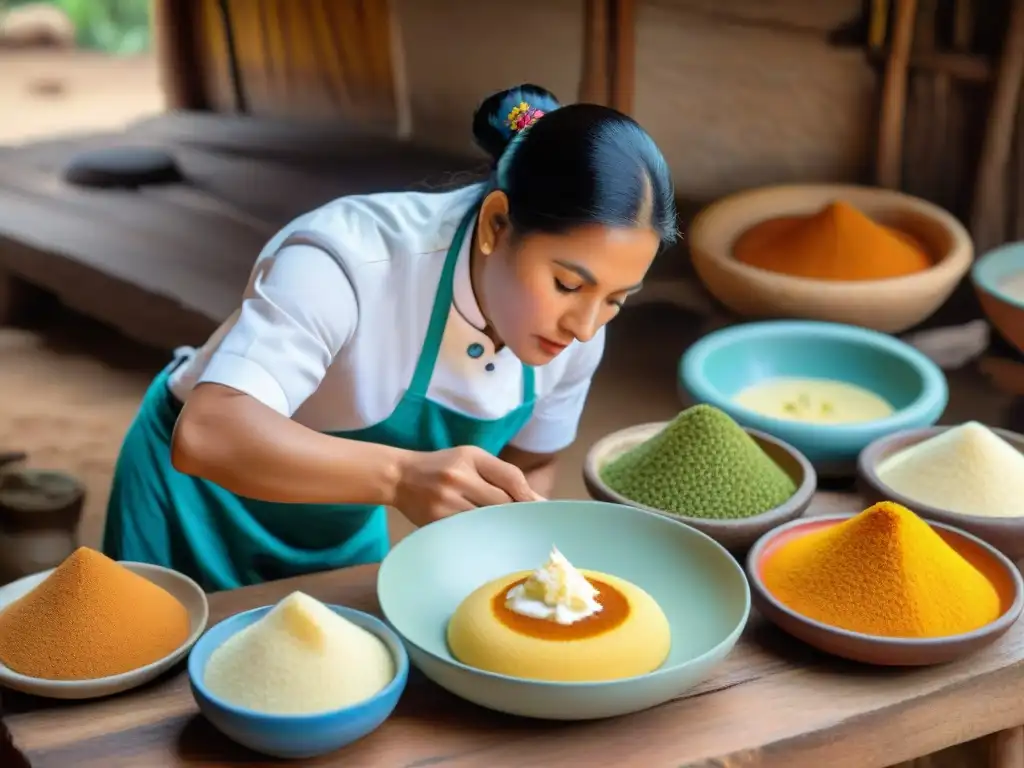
x,y
1004,311
735,535
888,651
296,736
1004,533
719,366
891,305
698,585
182,587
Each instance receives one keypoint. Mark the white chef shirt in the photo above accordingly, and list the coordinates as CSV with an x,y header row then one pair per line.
x,y
332,340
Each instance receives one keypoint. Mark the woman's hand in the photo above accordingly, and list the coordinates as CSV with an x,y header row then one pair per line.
x,y
433,485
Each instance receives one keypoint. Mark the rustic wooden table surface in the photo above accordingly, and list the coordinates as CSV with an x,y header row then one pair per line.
x,y
772,703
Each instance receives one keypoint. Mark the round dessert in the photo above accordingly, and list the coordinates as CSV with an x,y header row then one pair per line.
x,y
560,624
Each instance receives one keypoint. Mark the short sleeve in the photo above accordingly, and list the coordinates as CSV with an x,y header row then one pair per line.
x,y
556,416
298,314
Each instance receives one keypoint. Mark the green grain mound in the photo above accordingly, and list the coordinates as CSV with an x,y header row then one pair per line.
x,y
702,464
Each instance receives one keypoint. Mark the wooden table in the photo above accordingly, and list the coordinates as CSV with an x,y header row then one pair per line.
x,y
772,703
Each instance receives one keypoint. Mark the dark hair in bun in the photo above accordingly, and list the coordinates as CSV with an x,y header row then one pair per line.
x,y
573,165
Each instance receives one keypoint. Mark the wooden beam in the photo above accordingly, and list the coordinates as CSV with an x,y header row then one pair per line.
x,y
889,161
988,209
594,76
175,51
623,55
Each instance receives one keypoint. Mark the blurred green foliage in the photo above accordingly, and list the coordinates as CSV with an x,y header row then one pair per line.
x,y
118,27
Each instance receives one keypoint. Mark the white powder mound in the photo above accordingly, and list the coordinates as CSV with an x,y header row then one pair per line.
x,y
300,658
968,469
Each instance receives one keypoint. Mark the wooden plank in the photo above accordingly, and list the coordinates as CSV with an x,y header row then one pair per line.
x,y
308,58
989,206
175,53
772,703
623,57
594,75
889,161
267,188
786,16
315,141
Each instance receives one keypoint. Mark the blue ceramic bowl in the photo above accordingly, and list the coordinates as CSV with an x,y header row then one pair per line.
x,y
719,366
296,736
1004,310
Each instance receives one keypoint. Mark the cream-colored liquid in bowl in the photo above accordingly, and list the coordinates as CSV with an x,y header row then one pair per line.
x,y
1013,285
817,401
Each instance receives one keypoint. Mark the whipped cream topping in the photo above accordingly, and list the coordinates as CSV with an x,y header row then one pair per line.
x,y
555,592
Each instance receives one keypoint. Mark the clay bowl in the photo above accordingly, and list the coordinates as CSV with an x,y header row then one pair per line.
x,y
888,651
1004,533
735,535
891,305
1004,311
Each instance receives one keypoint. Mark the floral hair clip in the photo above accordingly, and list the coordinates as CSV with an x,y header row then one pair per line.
x,y
522,117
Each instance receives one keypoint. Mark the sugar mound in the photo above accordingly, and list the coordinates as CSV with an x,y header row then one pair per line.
x,y
883,572
300,658
702,464
968,469
91,618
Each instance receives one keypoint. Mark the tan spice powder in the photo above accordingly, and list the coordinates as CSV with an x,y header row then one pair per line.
x,y
90,618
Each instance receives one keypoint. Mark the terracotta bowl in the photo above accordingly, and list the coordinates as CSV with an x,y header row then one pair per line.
x,y
1004,533
891,305
1004,311
888,651
735,535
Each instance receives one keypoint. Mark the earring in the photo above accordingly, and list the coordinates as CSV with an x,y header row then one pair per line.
x,y
486,248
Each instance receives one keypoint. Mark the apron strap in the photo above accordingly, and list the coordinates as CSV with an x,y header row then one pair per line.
x,y
529,389
439,319
439,313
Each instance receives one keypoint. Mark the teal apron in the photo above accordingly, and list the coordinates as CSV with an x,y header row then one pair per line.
x,y
223,541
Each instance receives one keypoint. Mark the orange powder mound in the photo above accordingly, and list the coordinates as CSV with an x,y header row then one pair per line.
x,y
837,243
883,572
90,618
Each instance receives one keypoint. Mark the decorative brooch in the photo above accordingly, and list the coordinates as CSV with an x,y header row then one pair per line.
x,y
523,116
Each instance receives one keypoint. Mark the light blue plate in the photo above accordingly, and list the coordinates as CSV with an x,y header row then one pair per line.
x,y
719,366
701,589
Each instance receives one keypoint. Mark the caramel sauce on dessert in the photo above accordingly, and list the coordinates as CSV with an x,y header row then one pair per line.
x,y
614,612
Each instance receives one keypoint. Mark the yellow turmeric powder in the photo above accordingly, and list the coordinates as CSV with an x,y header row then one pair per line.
x,y
837,243
884,572
88,619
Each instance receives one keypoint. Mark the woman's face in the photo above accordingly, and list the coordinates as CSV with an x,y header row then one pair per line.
x,y
542,292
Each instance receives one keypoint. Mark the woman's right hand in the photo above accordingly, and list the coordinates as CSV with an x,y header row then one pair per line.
x,y
435,484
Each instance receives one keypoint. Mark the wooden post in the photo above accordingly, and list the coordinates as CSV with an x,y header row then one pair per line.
x,y
623,55
175,51
988,210
1007,749
594,78
894,97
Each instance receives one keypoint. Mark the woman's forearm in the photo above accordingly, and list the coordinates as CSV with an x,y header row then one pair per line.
x,y
235,441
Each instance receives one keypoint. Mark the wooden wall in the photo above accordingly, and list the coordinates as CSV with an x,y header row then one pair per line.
x,y
747,92
737,93
456,52
296,58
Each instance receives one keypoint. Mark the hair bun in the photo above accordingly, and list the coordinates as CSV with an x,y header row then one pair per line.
x,y
491,129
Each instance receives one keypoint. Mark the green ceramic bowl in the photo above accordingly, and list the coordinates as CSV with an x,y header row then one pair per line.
x,y
698,585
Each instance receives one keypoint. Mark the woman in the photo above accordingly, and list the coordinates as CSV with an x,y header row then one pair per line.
x,y
427,351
